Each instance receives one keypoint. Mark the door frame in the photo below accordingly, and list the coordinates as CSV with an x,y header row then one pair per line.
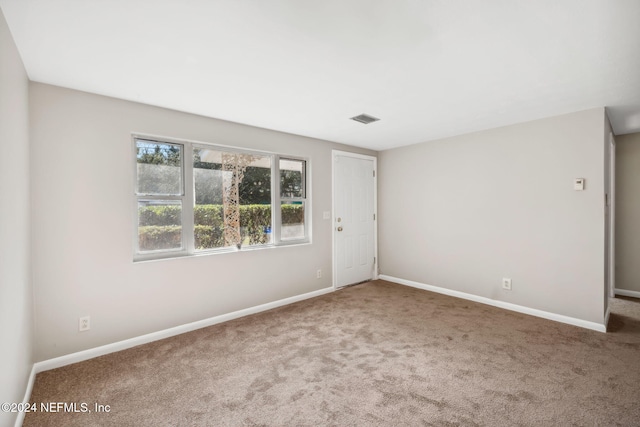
x,y
612,216
334,155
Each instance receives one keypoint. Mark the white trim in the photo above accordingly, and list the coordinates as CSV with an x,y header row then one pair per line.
x,y
612,215
626,293
354,155
80,356
606,318
374,159
501,304
27,396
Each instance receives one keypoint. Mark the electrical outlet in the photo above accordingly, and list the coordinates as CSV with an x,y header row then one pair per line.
x,y
506,283
319,274
84,324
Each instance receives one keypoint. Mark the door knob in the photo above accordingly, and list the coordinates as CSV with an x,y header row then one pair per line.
x,y
339,228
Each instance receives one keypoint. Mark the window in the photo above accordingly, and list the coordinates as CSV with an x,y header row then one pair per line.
x,y
196,198
292,199
232,198
160,196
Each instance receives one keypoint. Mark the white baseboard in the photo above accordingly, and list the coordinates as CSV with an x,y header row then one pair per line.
x,y
501,304
27,396
80,356
626,293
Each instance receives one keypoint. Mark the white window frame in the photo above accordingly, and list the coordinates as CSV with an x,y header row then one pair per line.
x,y
303,199
188,200
160,253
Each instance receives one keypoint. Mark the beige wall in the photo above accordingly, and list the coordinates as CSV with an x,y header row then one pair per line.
x,y
82,171
628,212
16,301
464,212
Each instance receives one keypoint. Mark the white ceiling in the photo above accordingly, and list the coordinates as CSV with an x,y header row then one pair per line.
x,y
428,69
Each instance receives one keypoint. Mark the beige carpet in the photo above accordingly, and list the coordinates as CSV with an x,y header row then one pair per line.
x,y
373,354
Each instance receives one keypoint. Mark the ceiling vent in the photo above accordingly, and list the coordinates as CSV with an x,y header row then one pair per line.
x,y
365,118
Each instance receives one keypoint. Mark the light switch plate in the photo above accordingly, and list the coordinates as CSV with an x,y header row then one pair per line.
x,y
578,184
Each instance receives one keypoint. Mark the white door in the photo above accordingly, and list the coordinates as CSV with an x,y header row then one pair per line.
x,y
353,220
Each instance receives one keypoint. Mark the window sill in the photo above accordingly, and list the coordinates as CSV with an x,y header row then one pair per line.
x,y
181,255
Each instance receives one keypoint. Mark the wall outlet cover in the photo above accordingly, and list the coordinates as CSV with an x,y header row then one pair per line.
x,y
84,323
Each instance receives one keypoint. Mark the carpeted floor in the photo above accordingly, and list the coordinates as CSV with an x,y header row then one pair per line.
x,y
374,354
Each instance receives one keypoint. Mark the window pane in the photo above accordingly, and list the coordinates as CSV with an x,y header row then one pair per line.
x,y
292,220
255,201
232,199
208,219
159,168
292,178
159,225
